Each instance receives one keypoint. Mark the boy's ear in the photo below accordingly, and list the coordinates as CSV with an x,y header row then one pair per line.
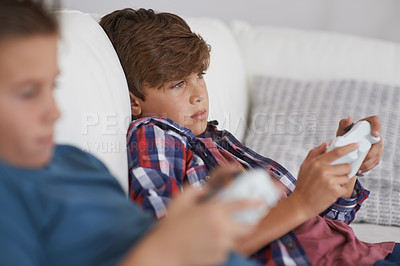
x,y
135,105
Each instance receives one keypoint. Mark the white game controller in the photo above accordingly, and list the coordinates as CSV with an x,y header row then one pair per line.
x,y
361,133
252,185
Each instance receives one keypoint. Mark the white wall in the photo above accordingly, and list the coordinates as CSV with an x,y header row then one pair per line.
x,y
373,18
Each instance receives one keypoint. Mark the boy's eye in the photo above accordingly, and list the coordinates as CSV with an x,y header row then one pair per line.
x,y
201,75
28,92
179,84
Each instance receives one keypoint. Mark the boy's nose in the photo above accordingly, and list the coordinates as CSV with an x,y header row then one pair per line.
x,y
198,94
51,112
56,112
196,98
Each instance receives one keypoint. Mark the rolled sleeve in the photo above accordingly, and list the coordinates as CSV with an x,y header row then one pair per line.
x,y
345,209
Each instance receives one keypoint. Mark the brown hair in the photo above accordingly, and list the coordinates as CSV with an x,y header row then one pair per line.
x,y
19,18
154,48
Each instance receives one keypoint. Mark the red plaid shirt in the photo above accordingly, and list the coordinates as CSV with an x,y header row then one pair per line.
x,y
162,156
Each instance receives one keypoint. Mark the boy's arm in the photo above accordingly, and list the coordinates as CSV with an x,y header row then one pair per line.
x,y
319,185
210,242
158,165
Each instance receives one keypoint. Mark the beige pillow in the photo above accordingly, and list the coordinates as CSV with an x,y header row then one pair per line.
x,y
290,117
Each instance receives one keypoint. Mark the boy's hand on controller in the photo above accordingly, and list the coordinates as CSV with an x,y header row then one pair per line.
x,y
319,183
375,153
190,217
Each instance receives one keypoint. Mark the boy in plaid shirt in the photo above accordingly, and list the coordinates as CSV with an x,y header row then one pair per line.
x,y
171,143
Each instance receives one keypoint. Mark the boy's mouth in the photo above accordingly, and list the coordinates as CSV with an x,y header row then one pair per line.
x,y
200,115
46,141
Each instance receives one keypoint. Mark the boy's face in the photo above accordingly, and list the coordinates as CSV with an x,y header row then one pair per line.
x,y
184,101
28,69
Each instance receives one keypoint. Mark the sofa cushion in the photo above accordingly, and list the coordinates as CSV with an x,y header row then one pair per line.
x,y
92,93
290,117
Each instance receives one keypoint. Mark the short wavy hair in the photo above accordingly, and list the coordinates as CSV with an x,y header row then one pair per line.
x,y
154,48
20,18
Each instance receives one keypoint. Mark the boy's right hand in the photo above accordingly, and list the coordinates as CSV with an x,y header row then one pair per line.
x,y
204,232
319,183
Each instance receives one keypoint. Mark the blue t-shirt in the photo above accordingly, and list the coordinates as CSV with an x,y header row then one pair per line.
x,y
73,212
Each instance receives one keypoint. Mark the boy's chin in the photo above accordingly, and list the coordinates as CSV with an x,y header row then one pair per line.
x,y
200,129
41,160
29,159
46,158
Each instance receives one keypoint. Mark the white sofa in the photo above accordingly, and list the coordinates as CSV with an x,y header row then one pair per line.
x,y
93,94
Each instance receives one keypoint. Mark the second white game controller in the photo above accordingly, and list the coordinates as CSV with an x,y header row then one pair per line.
x,y
360,133
252,185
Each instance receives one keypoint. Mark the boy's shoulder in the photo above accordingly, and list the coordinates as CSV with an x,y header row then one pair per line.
x,y
151,126
71,156
167,124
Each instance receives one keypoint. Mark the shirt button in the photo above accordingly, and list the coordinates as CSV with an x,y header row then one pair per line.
x,y
291,245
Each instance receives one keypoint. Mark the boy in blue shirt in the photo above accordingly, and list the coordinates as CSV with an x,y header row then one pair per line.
x,y
60,205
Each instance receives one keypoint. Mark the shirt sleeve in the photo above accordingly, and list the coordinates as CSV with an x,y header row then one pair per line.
x,y
20,243
345,209
237,260
157,167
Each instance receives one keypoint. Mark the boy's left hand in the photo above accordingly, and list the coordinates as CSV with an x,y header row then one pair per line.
x,y
375,153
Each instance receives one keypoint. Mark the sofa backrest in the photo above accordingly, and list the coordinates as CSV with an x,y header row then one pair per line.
x,y
315,55
92,93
